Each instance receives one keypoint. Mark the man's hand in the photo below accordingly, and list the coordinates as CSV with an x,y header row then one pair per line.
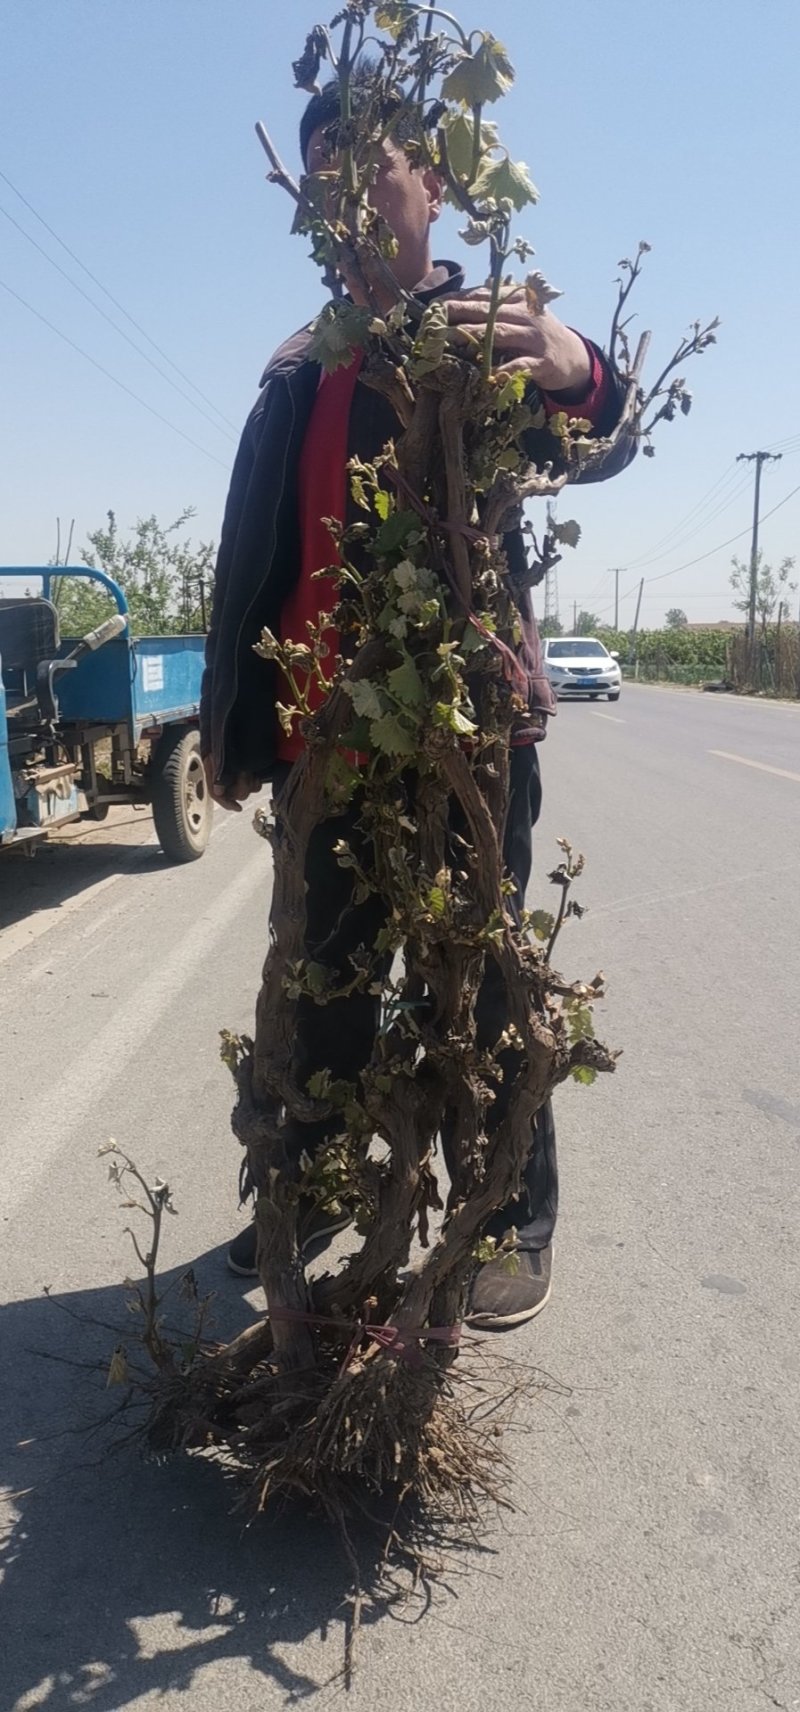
x,y
538,346
233,795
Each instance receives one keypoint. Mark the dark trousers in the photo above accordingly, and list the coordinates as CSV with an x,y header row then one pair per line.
x,y
340,1035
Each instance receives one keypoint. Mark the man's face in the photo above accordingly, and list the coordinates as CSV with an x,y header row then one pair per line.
x,y
409,200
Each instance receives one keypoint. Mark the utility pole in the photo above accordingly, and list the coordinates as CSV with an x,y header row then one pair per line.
x,y
759,459
616,575
636,630
574,618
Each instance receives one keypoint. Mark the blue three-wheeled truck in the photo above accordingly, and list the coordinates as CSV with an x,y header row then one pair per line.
x,y
101,719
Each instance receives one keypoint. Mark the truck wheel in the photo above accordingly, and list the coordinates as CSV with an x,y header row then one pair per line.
x,y
182,807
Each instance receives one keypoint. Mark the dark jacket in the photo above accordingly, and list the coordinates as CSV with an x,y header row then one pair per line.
x,y
259,553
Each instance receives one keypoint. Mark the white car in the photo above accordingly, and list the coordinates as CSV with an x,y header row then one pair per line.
x,y
582,666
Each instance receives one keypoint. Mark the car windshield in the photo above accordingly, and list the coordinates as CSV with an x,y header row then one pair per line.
x,y
575,650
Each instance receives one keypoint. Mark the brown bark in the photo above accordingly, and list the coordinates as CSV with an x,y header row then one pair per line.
x,y
444,959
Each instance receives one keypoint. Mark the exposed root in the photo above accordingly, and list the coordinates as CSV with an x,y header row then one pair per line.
x,y
378,1426
395,1438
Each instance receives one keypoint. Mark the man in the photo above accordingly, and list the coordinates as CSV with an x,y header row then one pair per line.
x,y
290,473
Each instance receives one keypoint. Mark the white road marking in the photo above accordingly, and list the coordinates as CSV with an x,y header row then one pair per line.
x,y
613,718
761,766
51,1119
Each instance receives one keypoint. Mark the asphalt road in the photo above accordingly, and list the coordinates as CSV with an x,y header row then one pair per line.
x,y
653,1562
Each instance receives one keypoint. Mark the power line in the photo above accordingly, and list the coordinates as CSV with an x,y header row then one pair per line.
x,y
728,543
680,535
113,323
112,377
117,305
791,440
684,536
663,575
730,472
725,500
596,590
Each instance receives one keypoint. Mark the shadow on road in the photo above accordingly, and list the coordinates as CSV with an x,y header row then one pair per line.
x,y
124,1578
54,872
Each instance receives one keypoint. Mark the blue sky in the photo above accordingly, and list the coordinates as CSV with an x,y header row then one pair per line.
x,y
128,126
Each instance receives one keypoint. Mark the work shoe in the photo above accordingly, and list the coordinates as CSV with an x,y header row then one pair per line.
x,y
500,1298
316,1223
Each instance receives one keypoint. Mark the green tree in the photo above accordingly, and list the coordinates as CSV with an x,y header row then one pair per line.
x,y
165,578
551,627
676,618
772,587
588,624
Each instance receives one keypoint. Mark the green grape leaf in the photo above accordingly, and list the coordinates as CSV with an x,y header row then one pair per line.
x,y
386,939
322,1086
365,697
510,1263
340,779
431,341
436,902
316,977
395,532
359,492
449,713
338,333
318,1084
510,459
580,1023
459,135
427,613
393,17
585,1074
355,737
382,503
505,180
406,574
542,923
389,620
392,737
471,640
480,77
405,683
420,590
510,391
